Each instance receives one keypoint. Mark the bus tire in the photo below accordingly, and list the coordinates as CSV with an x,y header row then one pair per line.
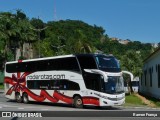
x,y
25,98
78,103
18,97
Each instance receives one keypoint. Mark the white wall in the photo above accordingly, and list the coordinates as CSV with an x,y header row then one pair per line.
x,y
154,90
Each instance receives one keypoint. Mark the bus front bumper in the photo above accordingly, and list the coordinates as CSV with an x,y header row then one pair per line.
x,y
112,100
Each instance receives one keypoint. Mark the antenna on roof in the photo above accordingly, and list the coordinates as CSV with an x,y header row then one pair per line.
x,y
55,12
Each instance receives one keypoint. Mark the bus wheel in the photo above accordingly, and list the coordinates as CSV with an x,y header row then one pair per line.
x,y
18,97
78,102
25,98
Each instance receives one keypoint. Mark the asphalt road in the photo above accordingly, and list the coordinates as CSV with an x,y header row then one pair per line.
x,y
66,111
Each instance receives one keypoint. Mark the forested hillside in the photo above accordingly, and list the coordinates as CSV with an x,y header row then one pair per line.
x,y
64,37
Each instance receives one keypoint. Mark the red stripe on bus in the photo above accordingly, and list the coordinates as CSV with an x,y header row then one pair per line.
x,y
91,100
62,97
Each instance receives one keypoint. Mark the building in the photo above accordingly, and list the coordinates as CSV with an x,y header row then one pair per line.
x,y
150,79
114,39
124,42
155,45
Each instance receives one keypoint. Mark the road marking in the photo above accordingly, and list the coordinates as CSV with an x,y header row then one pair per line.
x,y
1,107
44,109
20,108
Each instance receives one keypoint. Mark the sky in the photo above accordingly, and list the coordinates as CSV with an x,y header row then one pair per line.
x,y
137,20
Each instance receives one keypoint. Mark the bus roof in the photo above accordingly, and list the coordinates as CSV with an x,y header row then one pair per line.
x,y
95,55
61,56
45,58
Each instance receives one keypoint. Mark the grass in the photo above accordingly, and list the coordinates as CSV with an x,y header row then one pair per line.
x,y
1,86
132,100
156,102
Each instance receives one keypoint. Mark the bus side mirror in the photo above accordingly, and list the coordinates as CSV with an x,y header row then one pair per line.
x,y
97,72
88,70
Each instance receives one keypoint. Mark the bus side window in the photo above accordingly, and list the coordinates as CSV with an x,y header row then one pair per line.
x,y
92,81
68,85
54,84
87,62
31,66
33,84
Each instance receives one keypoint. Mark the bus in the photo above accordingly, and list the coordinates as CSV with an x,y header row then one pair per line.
x,y
78,79
134,83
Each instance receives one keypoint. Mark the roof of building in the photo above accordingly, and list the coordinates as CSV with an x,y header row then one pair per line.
x,y
158,49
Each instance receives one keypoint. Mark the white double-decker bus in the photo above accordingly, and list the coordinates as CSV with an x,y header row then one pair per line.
x,y
81,79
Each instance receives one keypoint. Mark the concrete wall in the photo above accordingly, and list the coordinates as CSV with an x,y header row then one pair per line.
x,y
27,51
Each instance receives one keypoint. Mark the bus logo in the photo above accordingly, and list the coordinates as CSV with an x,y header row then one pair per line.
x,y
45,77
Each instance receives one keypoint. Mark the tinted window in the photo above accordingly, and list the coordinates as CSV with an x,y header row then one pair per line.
x,y
125,84
69,85
38,84
64,64
87,62
69,63
92,81
11,67
64,85
31,66
108,63
53,84
135,83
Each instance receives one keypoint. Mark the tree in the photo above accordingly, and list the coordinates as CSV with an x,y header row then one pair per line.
x,y
8,30
25,34
132,62
82,45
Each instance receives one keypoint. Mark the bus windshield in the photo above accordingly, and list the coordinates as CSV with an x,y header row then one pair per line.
x,y
114,85
108,63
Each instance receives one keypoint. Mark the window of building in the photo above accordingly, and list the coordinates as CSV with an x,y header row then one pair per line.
x,y
156,68
158,73
150,74
141,78
145,76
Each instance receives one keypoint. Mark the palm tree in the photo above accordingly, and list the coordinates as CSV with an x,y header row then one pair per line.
x,y
82,44
25,33
8,30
